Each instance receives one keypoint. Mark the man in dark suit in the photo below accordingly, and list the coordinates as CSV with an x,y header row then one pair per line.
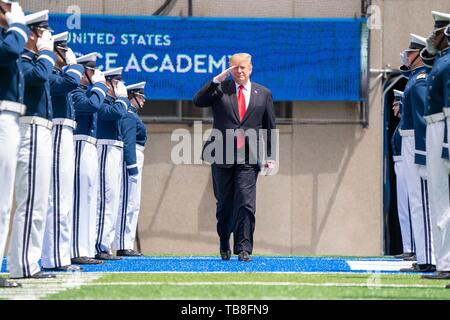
x,y
242,111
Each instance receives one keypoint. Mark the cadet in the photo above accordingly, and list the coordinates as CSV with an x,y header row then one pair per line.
x,y
87,99
438,166
65,78
13,36
414,102
404,214
134,135
110,157
35,154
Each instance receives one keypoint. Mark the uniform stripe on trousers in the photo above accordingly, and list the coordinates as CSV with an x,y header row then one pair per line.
x,y
30,200
428,225
411,233
426,220
123,218
101,217
76,203
56,196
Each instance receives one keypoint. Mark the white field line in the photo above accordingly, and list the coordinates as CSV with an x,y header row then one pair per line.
x,y
264,283
34,289
378,265
226,272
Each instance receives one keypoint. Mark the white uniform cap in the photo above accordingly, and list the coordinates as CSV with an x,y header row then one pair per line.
x,y
398,93
10,1
61,37
116,72
441,19
137,86
417,43
91,57
37,17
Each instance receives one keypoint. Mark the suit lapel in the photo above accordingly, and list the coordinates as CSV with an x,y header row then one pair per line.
x,y
233,97
251,104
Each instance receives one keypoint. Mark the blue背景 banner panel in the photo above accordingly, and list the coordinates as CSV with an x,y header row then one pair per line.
x,y
297,59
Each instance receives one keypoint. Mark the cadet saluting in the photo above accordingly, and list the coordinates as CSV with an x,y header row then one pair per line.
x,y
436,108
413,106
35,154
134,136
87,99
110,157
65,78
404,214
13,36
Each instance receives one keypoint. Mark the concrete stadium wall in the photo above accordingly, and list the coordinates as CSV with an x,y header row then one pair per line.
x,y
327,196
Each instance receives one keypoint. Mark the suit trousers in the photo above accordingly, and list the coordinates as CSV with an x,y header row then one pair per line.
x,y
32,188
9,146
235,192
58,230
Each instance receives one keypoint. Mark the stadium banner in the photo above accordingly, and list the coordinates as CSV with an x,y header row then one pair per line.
x,y
300,59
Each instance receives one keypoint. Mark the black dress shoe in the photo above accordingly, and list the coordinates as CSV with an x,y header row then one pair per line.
x,y
440,275
411,257
42,275
420,268
85,260
128,253
106,256
65,268
244,256
225,254
9,284
405,255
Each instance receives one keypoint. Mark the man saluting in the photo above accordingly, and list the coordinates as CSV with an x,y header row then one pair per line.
x,y
242,108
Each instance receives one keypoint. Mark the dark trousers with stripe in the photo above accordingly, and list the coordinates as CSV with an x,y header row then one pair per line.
x,y
235,192
32,189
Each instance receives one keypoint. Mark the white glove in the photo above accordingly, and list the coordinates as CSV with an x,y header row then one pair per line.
x,y
430,48
71,59
98,77
45,42
121,90
16,14
404,58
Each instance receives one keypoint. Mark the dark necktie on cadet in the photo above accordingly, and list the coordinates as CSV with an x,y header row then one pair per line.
x,y
241,105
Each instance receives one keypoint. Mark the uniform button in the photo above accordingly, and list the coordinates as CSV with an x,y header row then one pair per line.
x,y
434,77
429,97
430,87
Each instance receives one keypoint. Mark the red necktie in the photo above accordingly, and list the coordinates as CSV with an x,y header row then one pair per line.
x,y
241,106
241,102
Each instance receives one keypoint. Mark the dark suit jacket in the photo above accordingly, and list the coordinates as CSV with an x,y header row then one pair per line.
x,y
223,100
